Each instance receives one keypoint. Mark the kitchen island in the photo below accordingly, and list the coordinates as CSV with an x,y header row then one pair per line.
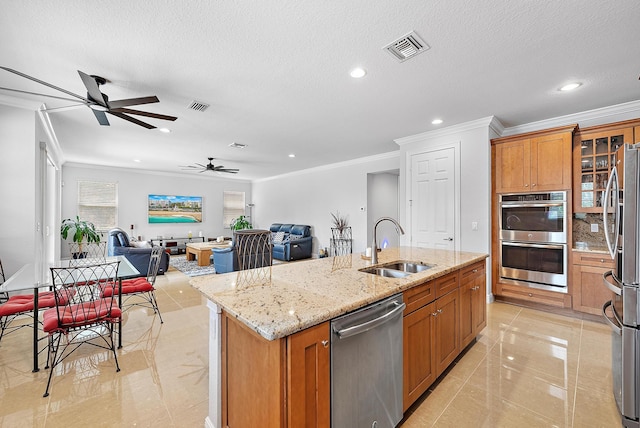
x,y
259,322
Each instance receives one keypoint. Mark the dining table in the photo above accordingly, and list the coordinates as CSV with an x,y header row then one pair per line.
x,y
28,278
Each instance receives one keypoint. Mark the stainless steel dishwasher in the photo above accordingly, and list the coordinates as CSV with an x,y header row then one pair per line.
x,y
366,366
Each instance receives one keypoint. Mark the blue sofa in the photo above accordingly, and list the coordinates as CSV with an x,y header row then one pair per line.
x,y
119,245
291,241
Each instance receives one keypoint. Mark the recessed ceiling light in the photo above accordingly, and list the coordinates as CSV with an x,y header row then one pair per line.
x,y
165,130
292,155
570,86
436,121
357,73
137,160
237,145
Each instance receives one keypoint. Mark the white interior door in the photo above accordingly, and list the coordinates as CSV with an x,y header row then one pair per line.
x,y
433,196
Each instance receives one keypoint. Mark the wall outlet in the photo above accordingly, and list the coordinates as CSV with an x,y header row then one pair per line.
x,y
474,225
594,228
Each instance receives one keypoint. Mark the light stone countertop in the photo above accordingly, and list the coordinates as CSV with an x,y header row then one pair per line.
x,y
302,294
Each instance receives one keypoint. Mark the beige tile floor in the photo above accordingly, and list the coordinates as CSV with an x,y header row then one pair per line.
x,y
528,369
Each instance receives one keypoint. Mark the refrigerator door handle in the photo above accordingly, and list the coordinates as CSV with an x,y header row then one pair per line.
x,y
613,178
610,285
614,327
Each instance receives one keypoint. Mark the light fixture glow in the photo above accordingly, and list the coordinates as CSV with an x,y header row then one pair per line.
x,y
436,121
137,160
98,107
292,155
570,86
165,130
357,73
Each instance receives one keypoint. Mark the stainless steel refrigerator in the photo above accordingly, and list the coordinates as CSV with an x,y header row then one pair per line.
x,y
621,223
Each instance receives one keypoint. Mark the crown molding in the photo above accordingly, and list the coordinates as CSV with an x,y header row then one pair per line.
x,y
357,161
485,122
584,118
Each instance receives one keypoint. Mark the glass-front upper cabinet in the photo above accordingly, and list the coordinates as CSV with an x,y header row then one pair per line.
x,y
594,151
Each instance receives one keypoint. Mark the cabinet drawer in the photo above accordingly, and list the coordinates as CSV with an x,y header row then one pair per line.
x,y
447,283
592,259
474,269
419,296
561,300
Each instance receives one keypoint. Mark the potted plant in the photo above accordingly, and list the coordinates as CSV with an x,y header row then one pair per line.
x,y
82,230
241,223
340,222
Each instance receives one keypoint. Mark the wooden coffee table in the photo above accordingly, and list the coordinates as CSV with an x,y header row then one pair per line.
x,y
202,251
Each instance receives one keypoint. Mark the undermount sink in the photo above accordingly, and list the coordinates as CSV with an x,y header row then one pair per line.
x,y
411,267
389,273
399,269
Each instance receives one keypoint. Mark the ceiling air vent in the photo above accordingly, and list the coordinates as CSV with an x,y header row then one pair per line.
x,y
406,47
198,106
237,145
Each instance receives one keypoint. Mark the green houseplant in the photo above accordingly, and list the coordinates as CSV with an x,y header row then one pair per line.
x,y
82,232
240,223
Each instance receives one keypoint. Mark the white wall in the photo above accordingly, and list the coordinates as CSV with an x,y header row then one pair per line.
x,y
383,200
17,187
309,197
134,188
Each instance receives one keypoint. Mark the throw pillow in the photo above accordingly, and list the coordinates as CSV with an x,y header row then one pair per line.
x,y
294,237
278,238
140,244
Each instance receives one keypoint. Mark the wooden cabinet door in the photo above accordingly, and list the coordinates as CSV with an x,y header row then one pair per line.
x,y
308,388
467,332
447,330
512,163
419,365
551,162
480,300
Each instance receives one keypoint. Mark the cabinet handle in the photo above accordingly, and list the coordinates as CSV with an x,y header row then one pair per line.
x,y
439,311
475,271
601,260
526,185
533,185
325,343
530,295
435,314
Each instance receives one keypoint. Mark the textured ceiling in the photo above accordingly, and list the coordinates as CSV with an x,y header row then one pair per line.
x,y
276,73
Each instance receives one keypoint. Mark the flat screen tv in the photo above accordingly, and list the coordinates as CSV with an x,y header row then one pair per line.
x,y
175,209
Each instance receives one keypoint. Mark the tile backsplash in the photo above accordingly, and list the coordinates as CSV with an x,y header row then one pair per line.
x,y
582,229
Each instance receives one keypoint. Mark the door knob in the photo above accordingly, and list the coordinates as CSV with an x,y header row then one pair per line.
x,y
448,239
325,343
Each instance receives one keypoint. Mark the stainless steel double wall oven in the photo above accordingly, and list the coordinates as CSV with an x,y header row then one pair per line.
x,y
533,239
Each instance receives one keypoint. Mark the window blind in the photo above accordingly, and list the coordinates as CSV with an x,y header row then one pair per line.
x,y
98,203
233,207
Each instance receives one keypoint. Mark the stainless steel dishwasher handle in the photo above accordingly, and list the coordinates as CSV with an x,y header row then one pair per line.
x,y
365,326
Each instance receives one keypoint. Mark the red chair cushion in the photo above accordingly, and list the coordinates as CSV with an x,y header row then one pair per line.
x,y
129,286
24,303
80,314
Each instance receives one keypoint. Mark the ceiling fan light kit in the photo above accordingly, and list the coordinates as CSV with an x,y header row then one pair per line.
x,y
98,102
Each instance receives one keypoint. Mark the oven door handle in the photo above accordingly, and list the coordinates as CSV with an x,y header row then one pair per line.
x,y
521,244
610,285
614,325
532,205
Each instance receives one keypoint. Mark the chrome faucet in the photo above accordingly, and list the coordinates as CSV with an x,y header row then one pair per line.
x,y
374,250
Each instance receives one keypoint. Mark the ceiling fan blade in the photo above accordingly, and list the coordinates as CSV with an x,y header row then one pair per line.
x,y
92,88
143,113
189,167
132,119
230,170
102,118
117,104
42,82
38,94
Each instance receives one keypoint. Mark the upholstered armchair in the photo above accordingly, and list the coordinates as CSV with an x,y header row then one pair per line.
x,y
119,245
291,241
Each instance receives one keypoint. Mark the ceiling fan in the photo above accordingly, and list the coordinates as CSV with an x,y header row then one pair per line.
x,y
210,167
97,101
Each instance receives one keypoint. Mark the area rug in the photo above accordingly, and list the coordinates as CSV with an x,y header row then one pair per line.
x,y
190,268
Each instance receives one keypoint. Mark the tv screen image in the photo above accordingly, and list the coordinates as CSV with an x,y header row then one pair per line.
x,y
175,209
